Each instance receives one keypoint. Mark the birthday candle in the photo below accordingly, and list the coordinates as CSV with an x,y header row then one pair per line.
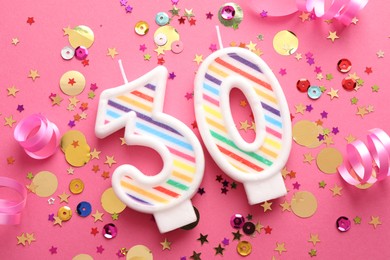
x,y
138,106
257,164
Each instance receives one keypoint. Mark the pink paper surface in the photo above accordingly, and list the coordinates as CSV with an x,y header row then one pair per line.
x,y
39,49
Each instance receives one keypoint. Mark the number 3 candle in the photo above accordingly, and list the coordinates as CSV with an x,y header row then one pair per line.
x,y
257,164
138,106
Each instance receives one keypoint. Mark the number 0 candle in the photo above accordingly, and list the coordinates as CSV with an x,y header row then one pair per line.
x,y
257,164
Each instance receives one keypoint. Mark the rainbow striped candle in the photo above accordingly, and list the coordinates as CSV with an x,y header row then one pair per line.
x,y
137,106
257,164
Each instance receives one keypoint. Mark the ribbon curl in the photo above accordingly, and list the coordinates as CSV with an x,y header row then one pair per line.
x,y
38,136
10,211
370,163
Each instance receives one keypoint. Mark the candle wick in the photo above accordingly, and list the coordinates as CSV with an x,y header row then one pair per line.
x,y
122,71
219,37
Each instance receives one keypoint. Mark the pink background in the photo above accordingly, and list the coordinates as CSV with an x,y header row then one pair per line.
x,y
39,48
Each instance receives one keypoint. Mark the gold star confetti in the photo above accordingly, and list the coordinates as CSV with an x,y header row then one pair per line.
x,y
98,216
67,30
251,46
198,59
73,101
370,108
319,76
362,111
56,100
188,13
285,172
21,239
258,227
15,41
9,121
350,138
33,74
280,248
332,36
336,190
57,221
298,56
308,158
166,244
160,50
333,93
267,206
314,239
110,161
285,206
354,21
64,197
123,141
300,108
30,238
375,221
95,154
313,252
244,125
12,91
112,52
304,16
328,140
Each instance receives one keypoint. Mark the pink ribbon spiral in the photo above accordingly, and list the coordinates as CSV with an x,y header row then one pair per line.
x,y
10,211
370,163
342,10
38,136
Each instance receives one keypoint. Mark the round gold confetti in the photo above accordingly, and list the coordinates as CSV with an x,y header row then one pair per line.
x,y
46,183
141,28
79,155
76,186
82,257
139,252
285,42
244,248
72,83
303,204
306,133
329,159
171,35
111,203
70,137
81,36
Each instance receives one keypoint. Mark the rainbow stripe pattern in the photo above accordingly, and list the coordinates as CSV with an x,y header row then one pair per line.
x,y
220,68
141,102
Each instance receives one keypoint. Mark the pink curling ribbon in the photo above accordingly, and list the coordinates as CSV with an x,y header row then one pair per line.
x,y
38,136
370,163
342,10
10,211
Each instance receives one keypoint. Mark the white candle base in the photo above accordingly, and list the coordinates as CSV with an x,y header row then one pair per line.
x,y
263,190
175,217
